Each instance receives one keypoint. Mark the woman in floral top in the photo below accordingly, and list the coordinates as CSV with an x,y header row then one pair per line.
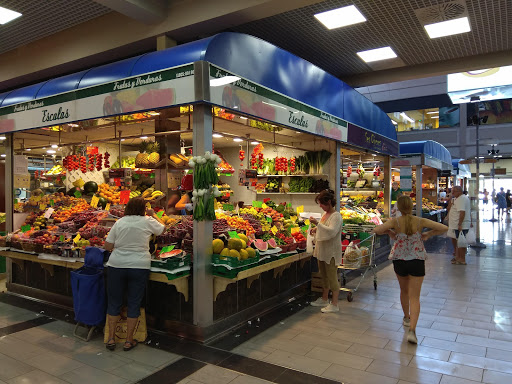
x,y
408,255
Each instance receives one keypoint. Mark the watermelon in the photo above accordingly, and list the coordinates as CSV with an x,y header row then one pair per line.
x,y
102,202
260,245
272,243
72,191
90,187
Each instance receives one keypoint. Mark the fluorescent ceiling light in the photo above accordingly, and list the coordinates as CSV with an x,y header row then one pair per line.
x,y
3,138
434,117
7,15
243,118
28,149
377,54
238,140
217,136
394,122
433,113
143,137
405,117
447,28
255,142
123,139
55,146
3,154
223,81
50,151
340,17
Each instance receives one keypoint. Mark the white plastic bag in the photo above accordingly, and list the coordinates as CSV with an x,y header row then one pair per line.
x,y
461,241
309,242
471,236
352,256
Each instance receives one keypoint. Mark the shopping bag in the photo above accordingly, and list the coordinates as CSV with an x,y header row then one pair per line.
x,y
461,241
352,256
471,236
140,333
309,242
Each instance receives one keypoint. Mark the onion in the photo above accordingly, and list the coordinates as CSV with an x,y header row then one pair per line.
x,y
194,192
191,163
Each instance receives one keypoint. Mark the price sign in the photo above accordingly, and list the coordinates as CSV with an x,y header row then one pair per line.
x,y
300,209
136,176
78,194
42,207
48,213
124,197
227,207
94,201
266,200
117,182
36,198
52,203
62,238
160,214
274,230
289,205
307,222
264,206
16,201
295,230
293,218
169,248
77,238
107,207
269,219
26,228
233,235
257,204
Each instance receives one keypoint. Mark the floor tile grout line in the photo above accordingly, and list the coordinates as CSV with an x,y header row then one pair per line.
x,y
25,325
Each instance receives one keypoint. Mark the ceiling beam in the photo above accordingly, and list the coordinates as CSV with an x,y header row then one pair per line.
x,y
146,11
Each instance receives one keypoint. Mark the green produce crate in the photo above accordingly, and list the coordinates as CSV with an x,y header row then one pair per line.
x,y
173,276
235,265
171,262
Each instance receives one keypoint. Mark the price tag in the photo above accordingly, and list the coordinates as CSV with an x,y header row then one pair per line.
x,y
78,194
257,204
228,194
269,219
227,207
36,198
94,201
62,238
293,218
274,230
266,200
169,248
52,203
264,206
77,238
300,209
295,230
26,228
233,235
289,205
136,176
307,222
16,201
107,207
117,182
124,197
42,207
152,176
304,230
160,214
48,213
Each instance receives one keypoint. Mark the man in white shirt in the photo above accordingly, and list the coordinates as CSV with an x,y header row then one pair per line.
x,y
459,220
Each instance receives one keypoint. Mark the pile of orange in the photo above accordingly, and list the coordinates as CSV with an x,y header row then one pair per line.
x,y
64,213
111,193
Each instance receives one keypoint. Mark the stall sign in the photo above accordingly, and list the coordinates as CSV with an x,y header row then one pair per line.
x,y
124,197
372,141
406,178
251,98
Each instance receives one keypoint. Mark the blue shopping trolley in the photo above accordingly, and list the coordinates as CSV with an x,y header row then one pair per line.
x,y
89,298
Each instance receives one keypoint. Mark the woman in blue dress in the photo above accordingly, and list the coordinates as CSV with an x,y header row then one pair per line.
x,y
501,199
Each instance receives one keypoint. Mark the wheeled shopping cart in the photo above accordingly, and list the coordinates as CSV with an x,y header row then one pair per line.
x,y
358,255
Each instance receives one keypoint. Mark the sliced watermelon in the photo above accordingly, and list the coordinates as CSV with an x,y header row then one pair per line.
x,y
272,243
175,252
260,245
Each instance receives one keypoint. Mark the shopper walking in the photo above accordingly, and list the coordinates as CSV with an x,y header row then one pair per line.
x,y
485,198
328,250
129,265
509,201
501,199
459,221
408,255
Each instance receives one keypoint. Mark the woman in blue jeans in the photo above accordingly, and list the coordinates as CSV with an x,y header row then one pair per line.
x,y
129,265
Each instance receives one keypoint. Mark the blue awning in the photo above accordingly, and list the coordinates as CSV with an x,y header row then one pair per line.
x,y
428,147
462,169
244,55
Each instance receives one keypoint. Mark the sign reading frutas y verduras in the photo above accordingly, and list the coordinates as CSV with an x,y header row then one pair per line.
x,y
153,90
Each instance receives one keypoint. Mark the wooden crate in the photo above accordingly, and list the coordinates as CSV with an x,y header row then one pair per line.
x,y
316,282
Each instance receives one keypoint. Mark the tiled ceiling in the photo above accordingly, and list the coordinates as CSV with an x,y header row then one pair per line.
x,y
43,18
389,22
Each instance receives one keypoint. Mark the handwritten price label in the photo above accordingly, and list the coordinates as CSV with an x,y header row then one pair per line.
x,y
274,230
233,235
107,207
160,214
295,230
48,213
94,201
77,238
124,197
26,228
300,209
264,206
257,204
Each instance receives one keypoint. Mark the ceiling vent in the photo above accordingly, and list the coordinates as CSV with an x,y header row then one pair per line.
x,y
442,12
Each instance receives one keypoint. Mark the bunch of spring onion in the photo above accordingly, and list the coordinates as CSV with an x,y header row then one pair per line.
x,y
204,194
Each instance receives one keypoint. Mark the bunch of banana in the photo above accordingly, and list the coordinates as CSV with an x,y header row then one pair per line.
x,y
155,195
79,183
134,194
148,192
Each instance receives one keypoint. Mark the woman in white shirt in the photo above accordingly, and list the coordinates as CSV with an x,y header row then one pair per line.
x,y
328,250
129,265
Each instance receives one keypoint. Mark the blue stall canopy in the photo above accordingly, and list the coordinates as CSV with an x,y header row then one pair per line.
x,y
428,152
461,170
260,67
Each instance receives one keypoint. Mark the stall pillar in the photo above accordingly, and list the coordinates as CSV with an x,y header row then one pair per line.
x,y
9,194
202,125
419,196
337,181
387,186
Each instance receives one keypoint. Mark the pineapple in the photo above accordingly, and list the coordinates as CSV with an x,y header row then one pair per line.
x,y
154,156
141,160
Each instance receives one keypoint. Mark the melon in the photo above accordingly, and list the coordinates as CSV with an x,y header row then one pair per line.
x,y
224,252
244,244
272,243
90,187
234,253
243,237
244,255
235,244
260,245
251,252
218,246
102,202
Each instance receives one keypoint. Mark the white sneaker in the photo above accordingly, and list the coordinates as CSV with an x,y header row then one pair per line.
x,y
330,308
320,303
411,337
406,322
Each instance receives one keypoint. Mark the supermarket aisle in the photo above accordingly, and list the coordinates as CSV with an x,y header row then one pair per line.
x,y
464,332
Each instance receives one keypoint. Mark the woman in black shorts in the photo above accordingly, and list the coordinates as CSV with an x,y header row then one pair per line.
x,y
408,255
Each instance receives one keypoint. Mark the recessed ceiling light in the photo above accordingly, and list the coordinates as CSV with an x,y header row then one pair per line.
x,y
143,137
447,28
340,17
434,117
394,122
55,146
377,54
255,142
28,149
217,136
405,117
238,140
7,15
50,151
433,113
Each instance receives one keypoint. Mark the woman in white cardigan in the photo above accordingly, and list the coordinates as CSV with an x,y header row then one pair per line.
x,y
328,250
